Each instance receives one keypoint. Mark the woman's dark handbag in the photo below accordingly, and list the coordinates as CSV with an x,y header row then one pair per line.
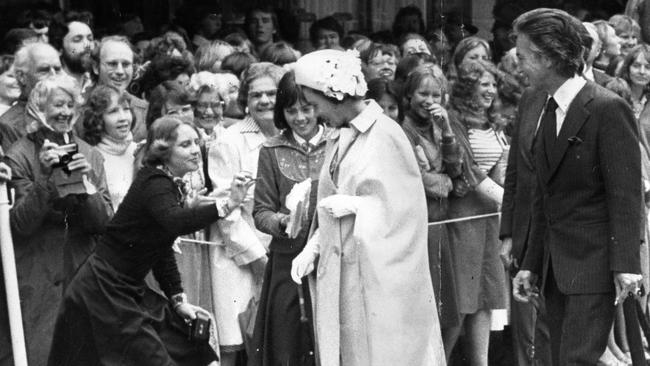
x,y
200,328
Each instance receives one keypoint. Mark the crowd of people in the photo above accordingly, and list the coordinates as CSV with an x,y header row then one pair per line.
x,y
369,200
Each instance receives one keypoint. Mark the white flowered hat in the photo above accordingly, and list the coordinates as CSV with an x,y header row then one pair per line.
x,y
335,73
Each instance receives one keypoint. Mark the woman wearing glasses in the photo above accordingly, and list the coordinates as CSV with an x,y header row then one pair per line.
x,y
238,262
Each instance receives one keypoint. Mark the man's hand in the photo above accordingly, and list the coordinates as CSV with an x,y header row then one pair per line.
x,y
624,284
523,288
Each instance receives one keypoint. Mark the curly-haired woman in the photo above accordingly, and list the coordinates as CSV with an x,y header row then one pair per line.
x,y
474,245
107,120
108,314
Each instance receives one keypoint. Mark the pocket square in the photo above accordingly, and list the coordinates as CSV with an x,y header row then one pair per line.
x,y
574,140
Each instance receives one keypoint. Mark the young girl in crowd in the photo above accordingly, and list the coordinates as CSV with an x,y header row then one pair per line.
x,y
291,157
428,127
107,120
478,190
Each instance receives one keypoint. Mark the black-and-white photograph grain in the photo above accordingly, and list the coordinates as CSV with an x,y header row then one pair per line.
x,y
324,182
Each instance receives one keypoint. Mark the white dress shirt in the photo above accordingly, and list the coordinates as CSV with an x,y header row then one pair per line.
x,y
563,96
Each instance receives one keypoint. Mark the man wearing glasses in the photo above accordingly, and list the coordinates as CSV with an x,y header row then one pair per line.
x,y
114,66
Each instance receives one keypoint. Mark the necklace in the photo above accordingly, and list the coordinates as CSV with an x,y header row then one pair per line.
x,y
637,106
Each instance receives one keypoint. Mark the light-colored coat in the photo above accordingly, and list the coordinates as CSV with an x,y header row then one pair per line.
x,y
233,282
374,300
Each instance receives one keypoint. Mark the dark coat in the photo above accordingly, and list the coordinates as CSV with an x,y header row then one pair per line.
x,y
520,176
586,208
139,109
52,237
280,337
601,78
283,163
12,125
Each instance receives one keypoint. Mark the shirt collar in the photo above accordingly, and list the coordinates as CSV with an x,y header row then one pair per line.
x,y
588,73
565,94
313,141
367,117
249,125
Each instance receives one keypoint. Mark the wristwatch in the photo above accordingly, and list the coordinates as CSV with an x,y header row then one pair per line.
x,y
178,300
223,207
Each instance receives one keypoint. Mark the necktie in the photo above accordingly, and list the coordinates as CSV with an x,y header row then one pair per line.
x,y
549,127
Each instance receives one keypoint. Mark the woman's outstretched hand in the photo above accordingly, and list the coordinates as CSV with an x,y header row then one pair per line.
x,y
241,182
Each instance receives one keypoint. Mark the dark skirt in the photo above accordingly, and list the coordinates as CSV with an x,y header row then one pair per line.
x,y
280,337
479,272
442,276
109,318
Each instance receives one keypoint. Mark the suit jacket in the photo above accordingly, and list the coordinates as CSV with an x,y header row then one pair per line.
x,y
521,180
586,208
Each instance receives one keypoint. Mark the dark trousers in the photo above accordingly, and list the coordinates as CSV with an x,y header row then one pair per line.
x,y
530,334
579,324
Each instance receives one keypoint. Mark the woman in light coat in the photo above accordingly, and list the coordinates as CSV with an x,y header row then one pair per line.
x,y
374,302
238,261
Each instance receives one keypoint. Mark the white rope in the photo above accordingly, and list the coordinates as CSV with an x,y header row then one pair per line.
x,y
460,219
468,218
193,241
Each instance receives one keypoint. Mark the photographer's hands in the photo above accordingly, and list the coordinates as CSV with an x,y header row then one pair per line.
x,y
50,156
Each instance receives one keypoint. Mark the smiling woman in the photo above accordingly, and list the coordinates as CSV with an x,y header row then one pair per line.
x,y
48,222
108,298
477,190
238,264
9,89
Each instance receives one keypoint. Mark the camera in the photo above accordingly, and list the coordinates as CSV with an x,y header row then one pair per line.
x,y
67,182
65,152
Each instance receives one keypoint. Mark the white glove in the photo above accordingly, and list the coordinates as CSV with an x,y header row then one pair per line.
x,y
339,205
303,264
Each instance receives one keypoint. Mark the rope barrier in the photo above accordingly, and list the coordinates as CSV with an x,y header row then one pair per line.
x,y
450,221
468,218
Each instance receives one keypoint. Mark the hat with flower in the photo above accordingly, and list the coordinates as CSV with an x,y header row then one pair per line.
x,y
335,73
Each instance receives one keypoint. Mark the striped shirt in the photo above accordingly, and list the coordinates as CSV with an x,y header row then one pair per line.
x,y
486,147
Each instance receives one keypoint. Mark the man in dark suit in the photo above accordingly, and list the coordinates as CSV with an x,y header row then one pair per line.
x,y
585,230
530,333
